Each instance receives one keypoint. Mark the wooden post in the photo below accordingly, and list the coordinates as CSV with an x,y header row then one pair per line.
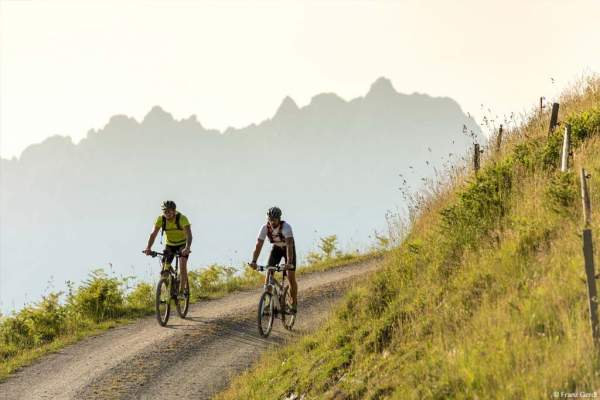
x,y
542,104
499,139
564,164
476,153
553,118
585,198
588,254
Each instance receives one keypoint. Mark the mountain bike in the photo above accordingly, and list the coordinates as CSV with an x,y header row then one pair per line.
x,y
276,299
167,290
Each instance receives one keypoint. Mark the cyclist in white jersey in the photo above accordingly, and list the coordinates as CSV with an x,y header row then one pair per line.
x,y
282,238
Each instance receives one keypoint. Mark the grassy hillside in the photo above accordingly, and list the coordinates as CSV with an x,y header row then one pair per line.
x,y
486,296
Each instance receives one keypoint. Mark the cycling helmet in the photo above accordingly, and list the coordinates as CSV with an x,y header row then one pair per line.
x,y
274,213
168,205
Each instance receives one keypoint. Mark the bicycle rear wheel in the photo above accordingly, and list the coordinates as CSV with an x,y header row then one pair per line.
x,y
183,304
265,314
287,318
163,301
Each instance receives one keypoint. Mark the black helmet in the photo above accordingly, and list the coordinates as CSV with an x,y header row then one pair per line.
x,y
274,213
168,205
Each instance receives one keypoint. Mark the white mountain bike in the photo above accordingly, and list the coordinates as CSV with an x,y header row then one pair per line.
x,y
276,299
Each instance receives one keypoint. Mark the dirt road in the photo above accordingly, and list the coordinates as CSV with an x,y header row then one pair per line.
x,y
189,359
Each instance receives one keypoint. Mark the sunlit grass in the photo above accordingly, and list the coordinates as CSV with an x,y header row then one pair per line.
x,y
485,297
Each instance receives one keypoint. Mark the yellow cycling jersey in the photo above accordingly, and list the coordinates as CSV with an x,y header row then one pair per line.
x,y
175,237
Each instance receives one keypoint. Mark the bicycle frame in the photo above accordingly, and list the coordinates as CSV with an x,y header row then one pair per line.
x,y
275,292
173,271
273,286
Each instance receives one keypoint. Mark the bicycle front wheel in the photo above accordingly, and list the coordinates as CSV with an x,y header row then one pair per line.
x,y
265,314
183,303
163,301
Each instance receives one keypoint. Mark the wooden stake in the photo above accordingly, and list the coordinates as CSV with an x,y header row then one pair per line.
x,y
588,255
564,164
553,118
585,198
499,139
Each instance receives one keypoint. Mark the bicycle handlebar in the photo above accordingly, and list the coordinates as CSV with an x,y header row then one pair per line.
x,y
153,253
276,268
156,253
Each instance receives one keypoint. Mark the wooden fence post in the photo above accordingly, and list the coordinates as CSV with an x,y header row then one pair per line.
x,y
499,139
542,104
476,153
564,163
588,254
553,118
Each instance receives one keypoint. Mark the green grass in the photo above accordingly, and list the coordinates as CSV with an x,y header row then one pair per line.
x,y
340,260
485,298
103,302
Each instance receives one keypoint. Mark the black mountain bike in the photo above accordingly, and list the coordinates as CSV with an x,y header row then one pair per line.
x,y
167,290
276,299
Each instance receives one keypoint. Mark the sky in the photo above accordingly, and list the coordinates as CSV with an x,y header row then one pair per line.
x,y
66,67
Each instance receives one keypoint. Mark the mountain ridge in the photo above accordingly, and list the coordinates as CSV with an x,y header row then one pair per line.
x,y
381,89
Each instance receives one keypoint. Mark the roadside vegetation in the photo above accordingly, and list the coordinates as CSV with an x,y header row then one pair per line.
x,y
486,295
104,301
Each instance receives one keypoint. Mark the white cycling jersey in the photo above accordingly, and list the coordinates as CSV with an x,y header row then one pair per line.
x,y
284,228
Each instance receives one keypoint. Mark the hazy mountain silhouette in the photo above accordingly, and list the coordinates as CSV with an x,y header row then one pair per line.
x,y
331,165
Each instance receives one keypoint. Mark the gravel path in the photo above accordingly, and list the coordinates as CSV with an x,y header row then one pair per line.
x,y
193,358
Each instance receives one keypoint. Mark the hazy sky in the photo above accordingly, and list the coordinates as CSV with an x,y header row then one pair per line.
x,y
66,67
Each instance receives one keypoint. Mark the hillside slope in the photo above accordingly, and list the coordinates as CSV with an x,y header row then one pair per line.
x,y
485,298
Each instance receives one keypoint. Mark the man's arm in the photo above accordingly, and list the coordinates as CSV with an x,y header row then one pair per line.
x,y
151,239
289,245
257,249
188,239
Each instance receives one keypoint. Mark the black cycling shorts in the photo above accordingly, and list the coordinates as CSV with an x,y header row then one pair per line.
x,y
170,251
277,253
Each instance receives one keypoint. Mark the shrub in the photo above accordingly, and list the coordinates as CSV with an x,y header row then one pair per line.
x,y
329,246
100,298
551,151
141,298
217,279
561,193
33,325
479,207
584,125
16,331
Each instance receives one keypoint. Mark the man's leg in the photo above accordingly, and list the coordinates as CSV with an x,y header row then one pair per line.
x,y
274,258
293,287
291,273
184,276
168,257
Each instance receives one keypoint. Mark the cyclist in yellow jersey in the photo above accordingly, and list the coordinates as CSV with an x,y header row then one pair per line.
x,y
178,231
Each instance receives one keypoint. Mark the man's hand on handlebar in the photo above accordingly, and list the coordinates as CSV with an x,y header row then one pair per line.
x,y
253,265
147,251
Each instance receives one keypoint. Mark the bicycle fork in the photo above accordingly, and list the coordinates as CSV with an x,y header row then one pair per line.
x,y
273,290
